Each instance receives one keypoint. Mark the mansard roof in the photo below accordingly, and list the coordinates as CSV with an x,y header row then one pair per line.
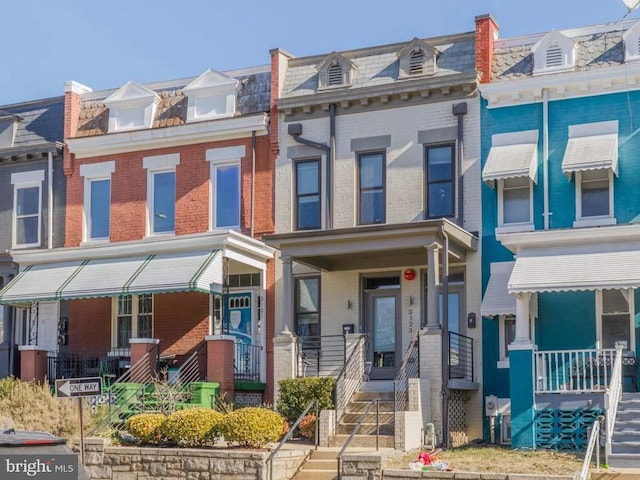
x,y
41,121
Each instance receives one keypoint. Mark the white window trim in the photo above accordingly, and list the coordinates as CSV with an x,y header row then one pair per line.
x,y
26,180
92,172
628,293
158,164
211,84
517,226
598,221
503,361
222,157
134,319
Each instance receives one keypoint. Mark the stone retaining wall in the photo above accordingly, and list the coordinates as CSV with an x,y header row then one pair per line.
x,y
105,462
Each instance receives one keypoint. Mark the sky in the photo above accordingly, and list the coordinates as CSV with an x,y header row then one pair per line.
x,y
105,43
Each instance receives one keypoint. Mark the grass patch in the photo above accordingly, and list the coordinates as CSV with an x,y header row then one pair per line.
x,y
492,459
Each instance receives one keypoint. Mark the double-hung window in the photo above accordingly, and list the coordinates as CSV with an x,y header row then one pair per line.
x,y
440,180
307,178
371,188
515,202
161,193
97,199
307,309
133,318
593,194
27,208
226,186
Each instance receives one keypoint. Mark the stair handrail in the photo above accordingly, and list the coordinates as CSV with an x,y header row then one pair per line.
x,y
290,433
355,430
350,378
614,393
189,371
591,446
409,368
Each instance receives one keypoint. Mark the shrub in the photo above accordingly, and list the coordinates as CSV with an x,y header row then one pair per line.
x,y
192,427
308,426
296,393
146,427
252,426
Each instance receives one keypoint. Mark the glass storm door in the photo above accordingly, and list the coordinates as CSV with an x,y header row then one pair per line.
x,y
382,317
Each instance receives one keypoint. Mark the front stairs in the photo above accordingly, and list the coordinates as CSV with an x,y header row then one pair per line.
x,y
625,444
321,465
366,436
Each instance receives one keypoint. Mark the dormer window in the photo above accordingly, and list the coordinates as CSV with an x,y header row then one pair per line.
x,y
631,39
417,58
554,52
211,95
8,128
131,107
335,71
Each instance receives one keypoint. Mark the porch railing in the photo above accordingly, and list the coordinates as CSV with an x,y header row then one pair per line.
x,y
460,357
563,371
614,393
351,377
194,369
321,356
71,365
410,368
247,362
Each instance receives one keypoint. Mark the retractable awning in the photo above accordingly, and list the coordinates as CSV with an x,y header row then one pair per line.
x,y
168,272
591,146
586,267
497,300
512,155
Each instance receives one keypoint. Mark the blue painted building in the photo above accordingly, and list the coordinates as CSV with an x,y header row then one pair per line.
x,y
561,239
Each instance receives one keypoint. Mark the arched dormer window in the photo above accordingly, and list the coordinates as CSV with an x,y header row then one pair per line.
x,y
631,39
417,58
335,71
554,52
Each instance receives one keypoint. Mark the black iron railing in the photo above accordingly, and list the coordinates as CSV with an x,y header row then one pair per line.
x,y
246,364
460,357
351,377
321,356
71,365
410,368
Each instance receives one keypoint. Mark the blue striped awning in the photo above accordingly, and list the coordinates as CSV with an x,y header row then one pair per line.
x,y
161,273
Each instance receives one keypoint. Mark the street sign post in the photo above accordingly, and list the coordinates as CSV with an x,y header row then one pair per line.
x,y
79,388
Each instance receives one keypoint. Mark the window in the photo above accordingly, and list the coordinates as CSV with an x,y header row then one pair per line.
x,y
552,53
211,95
507,333
594,198
131,107
440,193
515,201
226,195
27,208
616,321
307,177
334,71
161,192
99,208
133,318
307,307
371,181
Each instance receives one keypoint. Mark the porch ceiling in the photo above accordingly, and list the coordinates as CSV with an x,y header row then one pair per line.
x,y
373,246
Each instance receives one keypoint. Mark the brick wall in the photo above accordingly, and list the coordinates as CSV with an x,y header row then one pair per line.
x,y
180,321
90,326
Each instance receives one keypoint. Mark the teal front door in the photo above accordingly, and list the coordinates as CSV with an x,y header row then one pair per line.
x,y
239,317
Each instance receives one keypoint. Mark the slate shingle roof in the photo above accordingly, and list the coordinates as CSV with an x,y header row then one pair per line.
x,y
42,121
253,97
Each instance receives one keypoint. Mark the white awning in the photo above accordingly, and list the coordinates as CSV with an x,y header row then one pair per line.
x,y
497,300
591,146
512,155
588,267
170,272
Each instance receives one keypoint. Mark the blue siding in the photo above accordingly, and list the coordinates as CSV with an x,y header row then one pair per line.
x,y
566,321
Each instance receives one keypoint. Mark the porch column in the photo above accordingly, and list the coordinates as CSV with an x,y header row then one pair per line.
x,y
220,359
33,363
432,286
287,293
139,348
521,379
285,359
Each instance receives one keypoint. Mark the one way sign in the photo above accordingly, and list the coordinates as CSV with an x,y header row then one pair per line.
x,y
79,387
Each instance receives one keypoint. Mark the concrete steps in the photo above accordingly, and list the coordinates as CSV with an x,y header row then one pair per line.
x,y
368,441
625,443
321,465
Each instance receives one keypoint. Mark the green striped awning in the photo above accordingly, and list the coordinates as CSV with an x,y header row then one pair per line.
x,y
167,272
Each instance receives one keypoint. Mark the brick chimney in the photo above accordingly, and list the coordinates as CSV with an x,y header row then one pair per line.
x,y
486,34
72,95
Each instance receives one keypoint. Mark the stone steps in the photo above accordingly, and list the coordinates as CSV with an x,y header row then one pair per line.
x,y
385,441
321,465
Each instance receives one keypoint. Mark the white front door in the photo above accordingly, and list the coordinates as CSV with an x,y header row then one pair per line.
x,y
48,325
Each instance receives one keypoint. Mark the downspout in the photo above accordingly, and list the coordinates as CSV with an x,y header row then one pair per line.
x,y
545,156
445,338
50,200
330,163
253,180
459,110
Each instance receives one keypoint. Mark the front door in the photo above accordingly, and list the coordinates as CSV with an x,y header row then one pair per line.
x,y
382,320
241,324
48,325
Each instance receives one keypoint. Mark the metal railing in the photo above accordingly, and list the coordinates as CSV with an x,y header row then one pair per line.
x,y
351,377
246,364
194,369
614,393
562,371
355,430
284,440
460,357
321,356
591,446
410,368
71,365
